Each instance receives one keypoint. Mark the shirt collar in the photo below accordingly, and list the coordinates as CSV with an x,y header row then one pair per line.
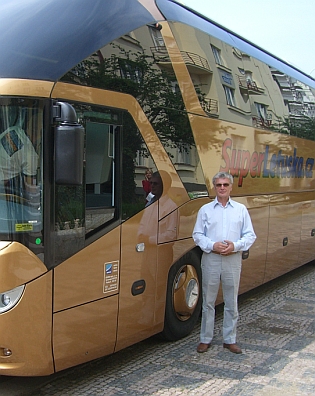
x,y
229,202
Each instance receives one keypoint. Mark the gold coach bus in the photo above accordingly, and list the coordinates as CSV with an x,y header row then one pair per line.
x,y
91,95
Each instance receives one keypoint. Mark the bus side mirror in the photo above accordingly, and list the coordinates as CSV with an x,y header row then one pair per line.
x,y
69,144
69,148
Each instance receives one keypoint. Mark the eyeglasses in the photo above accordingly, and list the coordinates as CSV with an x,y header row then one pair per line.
x,y
222,185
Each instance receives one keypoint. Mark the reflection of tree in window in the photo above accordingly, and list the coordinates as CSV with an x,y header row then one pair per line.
x,y
132,144
303,127
137,74
69,207
130,70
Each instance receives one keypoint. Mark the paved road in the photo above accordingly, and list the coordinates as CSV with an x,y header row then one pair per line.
x,y
276,332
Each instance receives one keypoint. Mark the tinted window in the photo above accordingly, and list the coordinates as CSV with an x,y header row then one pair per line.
x,y
138,64
21,178
44,39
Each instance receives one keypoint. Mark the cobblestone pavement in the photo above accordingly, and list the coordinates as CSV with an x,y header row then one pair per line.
x,y
276,332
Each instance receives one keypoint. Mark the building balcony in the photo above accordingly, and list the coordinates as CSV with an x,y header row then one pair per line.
x,y
259,122
211,107
249,86
295,106
297,116
194,62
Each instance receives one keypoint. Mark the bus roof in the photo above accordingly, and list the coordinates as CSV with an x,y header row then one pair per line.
x,y
43,39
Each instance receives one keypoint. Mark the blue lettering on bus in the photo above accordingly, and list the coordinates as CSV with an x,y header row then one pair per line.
x,y
240,163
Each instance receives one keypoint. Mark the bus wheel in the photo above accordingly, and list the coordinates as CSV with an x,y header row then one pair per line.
x,y
183,299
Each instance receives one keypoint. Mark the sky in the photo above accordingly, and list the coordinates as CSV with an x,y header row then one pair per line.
x,y
285,28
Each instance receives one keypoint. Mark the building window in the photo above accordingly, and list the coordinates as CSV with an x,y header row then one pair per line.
x,y
183,155
175,87
229,93
157,38
217,55
140,159
247,75
263,118
242,71
143,156
261,111
129,70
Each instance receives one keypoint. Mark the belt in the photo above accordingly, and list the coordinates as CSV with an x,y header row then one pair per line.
x,y
229,254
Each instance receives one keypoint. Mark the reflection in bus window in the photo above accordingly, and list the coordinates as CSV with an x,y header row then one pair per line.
x,y
217,55
136,65
110,191
100,173
136,158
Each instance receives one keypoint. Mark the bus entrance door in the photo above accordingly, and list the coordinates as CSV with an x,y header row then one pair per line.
x,y
138,277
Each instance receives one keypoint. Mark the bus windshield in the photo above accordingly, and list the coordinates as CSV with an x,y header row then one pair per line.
x,y
21,125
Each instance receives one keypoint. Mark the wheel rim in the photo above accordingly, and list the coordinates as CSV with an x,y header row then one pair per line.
x,y
185,292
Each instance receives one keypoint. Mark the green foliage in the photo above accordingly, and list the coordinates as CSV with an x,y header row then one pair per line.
x,y
137,74
69,205
131,142
304,127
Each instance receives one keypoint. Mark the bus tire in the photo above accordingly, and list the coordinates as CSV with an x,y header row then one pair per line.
x,y
183,298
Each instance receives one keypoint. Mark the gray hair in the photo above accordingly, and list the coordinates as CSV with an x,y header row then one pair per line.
x,y
222,175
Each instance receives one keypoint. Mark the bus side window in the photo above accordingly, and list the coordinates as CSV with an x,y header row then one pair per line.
x,y
115,161
83,209
100,174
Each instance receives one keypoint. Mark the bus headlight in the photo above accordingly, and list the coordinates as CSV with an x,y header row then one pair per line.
x,y
10,298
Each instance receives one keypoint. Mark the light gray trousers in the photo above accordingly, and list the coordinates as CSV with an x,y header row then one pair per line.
x,y
227,269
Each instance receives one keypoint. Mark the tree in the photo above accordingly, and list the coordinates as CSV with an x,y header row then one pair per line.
x,y
137,74
303,127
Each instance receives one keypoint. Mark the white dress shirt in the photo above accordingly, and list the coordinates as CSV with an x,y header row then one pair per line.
x,y
216,223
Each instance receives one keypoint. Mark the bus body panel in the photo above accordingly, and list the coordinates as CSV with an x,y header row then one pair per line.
x,y
77,283
188,215
285,238
30,340
24,87
137,312
86,302
253,268
18,266
307,245
85,332
283,222
142,315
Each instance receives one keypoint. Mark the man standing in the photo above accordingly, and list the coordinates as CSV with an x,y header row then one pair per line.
x,y
223,230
